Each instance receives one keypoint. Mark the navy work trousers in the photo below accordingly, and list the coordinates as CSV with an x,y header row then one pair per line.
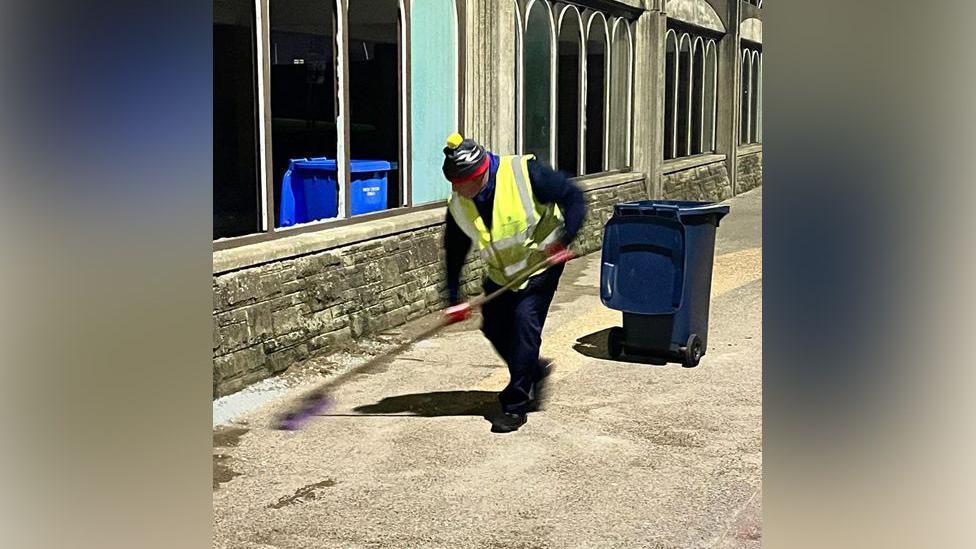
x,y
513,323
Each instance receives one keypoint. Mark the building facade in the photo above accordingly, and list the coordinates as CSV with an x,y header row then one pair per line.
x,y
330,117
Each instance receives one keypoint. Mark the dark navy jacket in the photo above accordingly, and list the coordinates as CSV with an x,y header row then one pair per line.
x,y
548,185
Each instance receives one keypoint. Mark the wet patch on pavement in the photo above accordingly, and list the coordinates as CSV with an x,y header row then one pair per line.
x,y
225,437
303,494
222,471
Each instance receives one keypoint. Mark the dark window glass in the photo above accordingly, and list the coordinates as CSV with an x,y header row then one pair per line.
x,y
596,65
708,123
684,96
374,89
744,100
236,183
537,84
697,105
303,101
670,90
568,105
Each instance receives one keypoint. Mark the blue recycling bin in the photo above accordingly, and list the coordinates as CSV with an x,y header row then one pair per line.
x,y
310,189
368,185
657,270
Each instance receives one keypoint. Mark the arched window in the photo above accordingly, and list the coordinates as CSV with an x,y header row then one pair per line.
x,y
568,81
670,94
746,81
537,93
750,96
434,94
621,59
516,66
697,96
710,96
690,91
597,61
754,100
684,96
759,93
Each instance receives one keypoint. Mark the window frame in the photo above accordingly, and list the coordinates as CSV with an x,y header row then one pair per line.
x,y
548,8
580,87
711,52
750,87
268,231
605,130
697,39
628,96
586,16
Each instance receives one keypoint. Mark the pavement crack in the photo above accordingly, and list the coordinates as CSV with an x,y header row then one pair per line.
x,y
303,494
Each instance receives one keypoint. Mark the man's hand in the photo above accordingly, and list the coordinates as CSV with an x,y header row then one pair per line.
x,y
457,313
558,253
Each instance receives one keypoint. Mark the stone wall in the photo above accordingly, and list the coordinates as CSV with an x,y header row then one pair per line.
x,y
271,316
266,318
709,183
749,172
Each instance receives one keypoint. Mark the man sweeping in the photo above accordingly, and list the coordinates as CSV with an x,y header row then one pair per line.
x,y
519,213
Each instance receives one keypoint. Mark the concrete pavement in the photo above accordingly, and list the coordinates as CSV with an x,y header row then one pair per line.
x,y
626,454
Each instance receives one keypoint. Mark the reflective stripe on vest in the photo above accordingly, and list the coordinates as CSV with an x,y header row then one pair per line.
x,y
521,227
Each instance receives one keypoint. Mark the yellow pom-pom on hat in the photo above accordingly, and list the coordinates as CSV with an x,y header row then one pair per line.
x,y
454,141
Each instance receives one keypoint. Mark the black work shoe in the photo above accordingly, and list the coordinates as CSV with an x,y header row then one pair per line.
x,y
540,391
507,423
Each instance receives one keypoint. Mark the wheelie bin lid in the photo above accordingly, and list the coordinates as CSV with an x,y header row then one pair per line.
x,y
355,166
671,209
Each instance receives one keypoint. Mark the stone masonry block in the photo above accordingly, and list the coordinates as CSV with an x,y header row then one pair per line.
x,y
287,320
232,338
239,362
281,360
331,340
284,342
259,321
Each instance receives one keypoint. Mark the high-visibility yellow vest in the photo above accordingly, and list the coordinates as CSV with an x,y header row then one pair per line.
x,y
521,226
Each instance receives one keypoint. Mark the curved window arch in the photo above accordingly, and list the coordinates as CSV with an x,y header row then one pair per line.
x,y
759,109
568,72
517,76
710,96
683,114
597,62
754,99
750,95
670,94
621,62
744,97
697,95
690,91
537,60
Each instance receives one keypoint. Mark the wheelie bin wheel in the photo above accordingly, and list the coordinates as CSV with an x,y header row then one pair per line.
x,y
615,342
692,351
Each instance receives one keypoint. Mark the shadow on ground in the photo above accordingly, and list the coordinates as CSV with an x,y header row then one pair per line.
x,y
436,404
595,346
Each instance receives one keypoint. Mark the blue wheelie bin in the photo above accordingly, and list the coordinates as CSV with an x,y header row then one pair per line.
x,y
310,189
657,270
